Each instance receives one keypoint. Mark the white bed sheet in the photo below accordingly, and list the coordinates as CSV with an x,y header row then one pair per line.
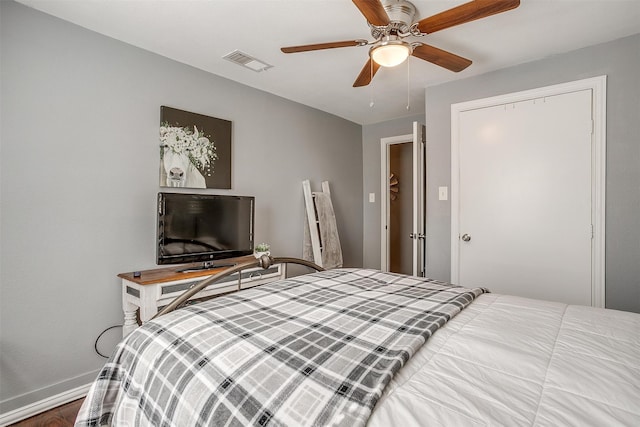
x,y
519,362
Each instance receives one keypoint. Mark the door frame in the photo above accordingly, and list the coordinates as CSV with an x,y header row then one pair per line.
x,y
598,166
418,142
385,144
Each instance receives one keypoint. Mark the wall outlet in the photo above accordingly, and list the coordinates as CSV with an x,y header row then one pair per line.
x,y
443,193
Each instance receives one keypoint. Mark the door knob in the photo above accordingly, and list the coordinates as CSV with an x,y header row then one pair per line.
x,y
465,237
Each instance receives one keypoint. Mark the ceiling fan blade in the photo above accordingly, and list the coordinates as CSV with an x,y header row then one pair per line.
x,y
441,57
320,46
366,75
373,11
467,12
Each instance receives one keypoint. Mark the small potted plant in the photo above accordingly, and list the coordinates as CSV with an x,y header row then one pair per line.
x,y
261,249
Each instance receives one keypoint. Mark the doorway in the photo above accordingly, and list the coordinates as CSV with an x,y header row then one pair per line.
x,y
400,207
528,193
402,203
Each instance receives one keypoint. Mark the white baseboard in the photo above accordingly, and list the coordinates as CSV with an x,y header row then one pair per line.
x,y
43,405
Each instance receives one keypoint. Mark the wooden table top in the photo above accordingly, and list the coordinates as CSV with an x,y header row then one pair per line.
x,y
172,273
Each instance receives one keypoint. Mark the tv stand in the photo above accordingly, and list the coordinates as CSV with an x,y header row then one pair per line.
x,y
207,265
148,291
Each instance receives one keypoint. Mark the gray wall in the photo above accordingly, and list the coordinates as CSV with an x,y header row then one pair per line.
x,y
371,135
620,61
79,175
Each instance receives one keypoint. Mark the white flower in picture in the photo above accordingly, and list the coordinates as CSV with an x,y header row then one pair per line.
x,y
185,155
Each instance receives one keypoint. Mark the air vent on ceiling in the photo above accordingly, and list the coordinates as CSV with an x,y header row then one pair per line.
x,y
248,61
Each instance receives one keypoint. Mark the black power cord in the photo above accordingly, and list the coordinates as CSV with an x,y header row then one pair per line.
x,y
95,345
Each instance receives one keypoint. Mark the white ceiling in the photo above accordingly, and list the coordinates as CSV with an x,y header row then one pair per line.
x,y
201,32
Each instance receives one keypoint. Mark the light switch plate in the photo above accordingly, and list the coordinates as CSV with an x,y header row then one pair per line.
x,y
372,197
443,193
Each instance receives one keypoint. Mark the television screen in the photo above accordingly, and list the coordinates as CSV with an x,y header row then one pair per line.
x,y
203,227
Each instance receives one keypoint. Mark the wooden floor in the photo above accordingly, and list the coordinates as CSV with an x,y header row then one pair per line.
x,y
62,416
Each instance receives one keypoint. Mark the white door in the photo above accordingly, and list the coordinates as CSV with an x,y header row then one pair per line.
x,y
524,198
416,237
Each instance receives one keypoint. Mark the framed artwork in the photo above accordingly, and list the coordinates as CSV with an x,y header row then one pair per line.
x,y
195,150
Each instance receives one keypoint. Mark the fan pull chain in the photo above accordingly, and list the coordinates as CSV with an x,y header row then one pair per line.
x,y
371,103
408,86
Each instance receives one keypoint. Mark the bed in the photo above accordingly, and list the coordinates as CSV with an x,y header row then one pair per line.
x,y
355,347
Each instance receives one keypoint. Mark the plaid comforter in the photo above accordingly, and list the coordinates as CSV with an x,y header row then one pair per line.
x,y
311,350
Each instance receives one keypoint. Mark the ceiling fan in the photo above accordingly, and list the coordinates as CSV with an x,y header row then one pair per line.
x,y
392,21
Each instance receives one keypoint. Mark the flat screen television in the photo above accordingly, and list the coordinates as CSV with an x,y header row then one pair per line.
x,y
203,228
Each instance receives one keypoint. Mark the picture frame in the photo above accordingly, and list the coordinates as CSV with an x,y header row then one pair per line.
x,y
195,150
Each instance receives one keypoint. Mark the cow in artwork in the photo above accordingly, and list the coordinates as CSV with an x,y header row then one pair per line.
x,y
186,156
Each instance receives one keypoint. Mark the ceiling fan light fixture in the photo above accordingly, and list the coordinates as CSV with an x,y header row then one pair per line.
x,y
390,52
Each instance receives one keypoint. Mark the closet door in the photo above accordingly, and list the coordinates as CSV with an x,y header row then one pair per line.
x,y
524,207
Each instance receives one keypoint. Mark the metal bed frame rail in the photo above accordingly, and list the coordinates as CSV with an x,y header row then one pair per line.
x,y
265,261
